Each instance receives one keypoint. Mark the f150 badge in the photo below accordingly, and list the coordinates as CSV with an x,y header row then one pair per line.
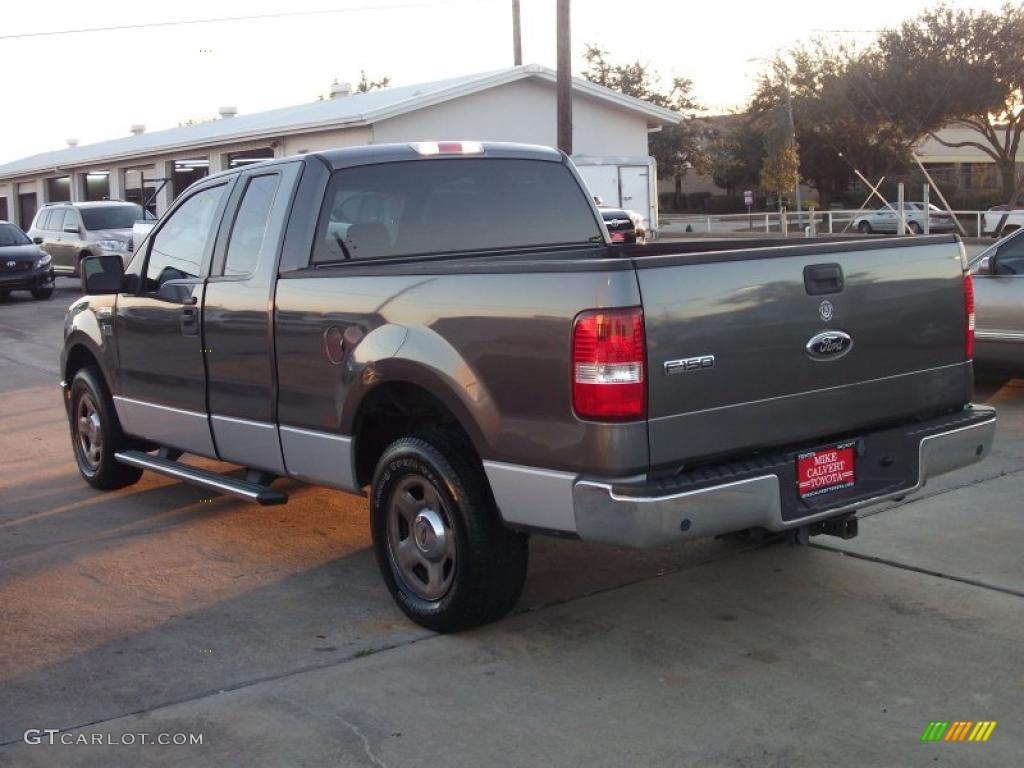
x,y
702,363
829,345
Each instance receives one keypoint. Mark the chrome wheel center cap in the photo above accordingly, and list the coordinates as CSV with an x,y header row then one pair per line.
x,y
429,534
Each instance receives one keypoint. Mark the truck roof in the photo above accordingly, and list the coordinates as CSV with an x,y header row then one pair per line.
x,y
345,157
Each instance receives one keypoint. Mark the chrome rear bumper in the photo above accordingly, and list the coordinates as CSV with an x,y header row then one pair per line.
x,y
604,515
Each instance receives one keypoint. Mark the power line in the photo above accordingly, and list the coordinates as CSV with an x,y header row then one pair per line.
x,y
221,19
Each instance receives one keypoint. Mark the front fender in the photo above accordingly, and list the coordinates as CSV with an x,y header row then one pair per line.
x,y
89,325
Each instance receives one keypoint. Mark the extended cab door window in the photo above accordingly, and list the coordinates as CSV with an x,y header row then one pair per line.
x,y
250,228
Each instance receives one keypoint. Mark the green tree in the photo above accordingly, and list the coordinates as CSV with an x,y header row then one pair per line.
x,y
735,154
365,85
958,66
836,127
676,148
779,171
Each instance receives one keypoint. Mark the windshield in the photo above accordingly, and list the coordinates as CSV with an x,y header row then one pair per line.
x,y
11,235
119,216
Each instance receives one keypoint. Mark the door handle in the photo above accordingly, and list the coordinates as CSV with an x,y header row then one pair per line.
x,y
189,301
189,321
823,278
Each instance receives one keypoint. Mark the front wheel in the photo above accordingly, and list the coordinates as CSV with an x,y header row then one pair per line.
x,y
96,433
444,554
43,292
915,228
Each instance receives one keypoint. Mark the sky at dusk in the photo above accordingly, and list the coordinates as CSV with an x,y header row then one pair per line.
x,y
92,86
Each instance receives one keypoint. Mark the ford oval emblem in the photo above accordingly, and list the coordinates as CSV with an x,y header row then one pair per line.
x,y
829,345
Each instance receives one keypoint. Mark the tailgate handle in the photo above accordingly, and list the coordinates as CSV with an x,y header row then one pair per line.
x,y
823,278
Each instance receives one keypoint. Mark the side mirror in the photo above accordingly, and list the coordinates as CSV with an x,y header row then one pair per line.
x,y
37,240
72,230
984,266
102,274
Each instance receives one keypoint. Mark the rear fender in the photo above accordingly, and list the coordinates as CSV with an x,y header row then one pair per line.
x,y
427,360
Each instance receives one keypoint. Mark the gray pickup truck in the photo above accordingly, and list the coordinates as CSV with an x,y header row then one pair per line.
x,y
446,327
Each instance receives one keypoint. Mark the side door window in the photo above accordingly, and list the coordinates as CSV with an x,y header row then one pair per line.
x,y
1010,257
71,223
250,226
178,248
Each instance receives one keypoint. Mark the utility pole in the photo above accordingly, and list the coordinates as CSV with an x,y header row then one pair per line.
x,y
564,79
792,136
517,35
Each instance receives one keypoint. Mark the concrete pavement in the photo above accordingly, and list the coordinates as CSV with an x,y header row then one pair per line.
x,y
131,612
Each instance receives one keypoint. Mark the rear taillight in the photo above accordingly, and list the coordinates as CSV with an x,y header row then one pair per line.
x,y
969,316
608,352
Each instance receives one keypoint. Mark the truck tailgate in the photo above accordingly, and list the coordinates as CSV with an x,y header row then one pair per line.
x,y
901,305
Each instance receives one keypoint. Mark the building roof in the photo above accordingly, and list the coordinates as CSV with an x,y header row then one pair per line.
x,y
349,111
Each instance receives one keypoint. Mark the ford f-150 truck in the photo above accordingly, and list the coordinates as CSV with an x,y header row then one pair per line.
x,y
445,327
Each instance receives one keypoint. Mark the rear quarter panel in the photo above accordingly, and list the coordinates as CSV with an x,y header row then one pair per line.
x,y
494,347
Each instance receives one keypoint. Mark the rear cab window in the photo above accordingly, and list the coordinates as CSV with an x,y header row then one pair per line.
x,y
451,205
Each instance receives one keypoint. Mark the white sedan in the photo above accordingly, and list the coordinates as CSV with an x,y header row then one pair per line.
x,y
886,220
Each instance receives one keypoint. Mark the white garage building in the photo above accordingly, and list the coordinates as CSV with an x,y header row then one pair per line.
x,y
518,104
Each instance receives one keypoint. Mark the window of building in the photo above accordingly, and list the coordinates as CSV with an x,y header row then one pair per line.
x,y
97,185
187,172
249,156
58,190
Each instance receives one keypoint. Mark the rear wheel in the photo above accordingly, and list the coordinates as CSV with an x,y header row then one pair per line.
x,y
444,554
96,433
4,293
864,228
914,227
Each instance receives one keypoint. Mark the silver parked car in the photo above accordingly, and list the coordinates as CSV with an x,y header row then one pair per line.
x,y
885,220
999,305
71,231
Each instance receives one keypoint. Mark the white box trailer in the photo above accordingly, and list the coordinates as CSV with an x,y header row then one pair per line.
x,y
626,182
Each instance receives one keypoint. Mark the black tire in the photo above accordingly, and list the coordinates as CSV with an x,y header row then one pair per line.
x,y
43,292
5,293
488,561
914,227
864,228
95,448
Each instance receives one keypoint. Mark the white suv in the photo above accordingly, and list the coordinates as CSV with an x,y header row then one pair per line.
x,y
71,231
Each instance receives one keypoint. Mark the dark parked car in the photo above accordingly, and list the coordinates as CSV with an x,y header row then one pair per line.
x,y
445,328
24,266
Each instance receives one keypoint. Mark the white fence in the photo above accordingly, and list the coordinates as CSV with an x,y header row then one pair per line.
x,y
810,223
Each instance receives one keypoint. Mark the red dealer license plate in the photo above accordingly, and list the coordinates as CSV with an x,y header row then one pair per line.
x,y
829,469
